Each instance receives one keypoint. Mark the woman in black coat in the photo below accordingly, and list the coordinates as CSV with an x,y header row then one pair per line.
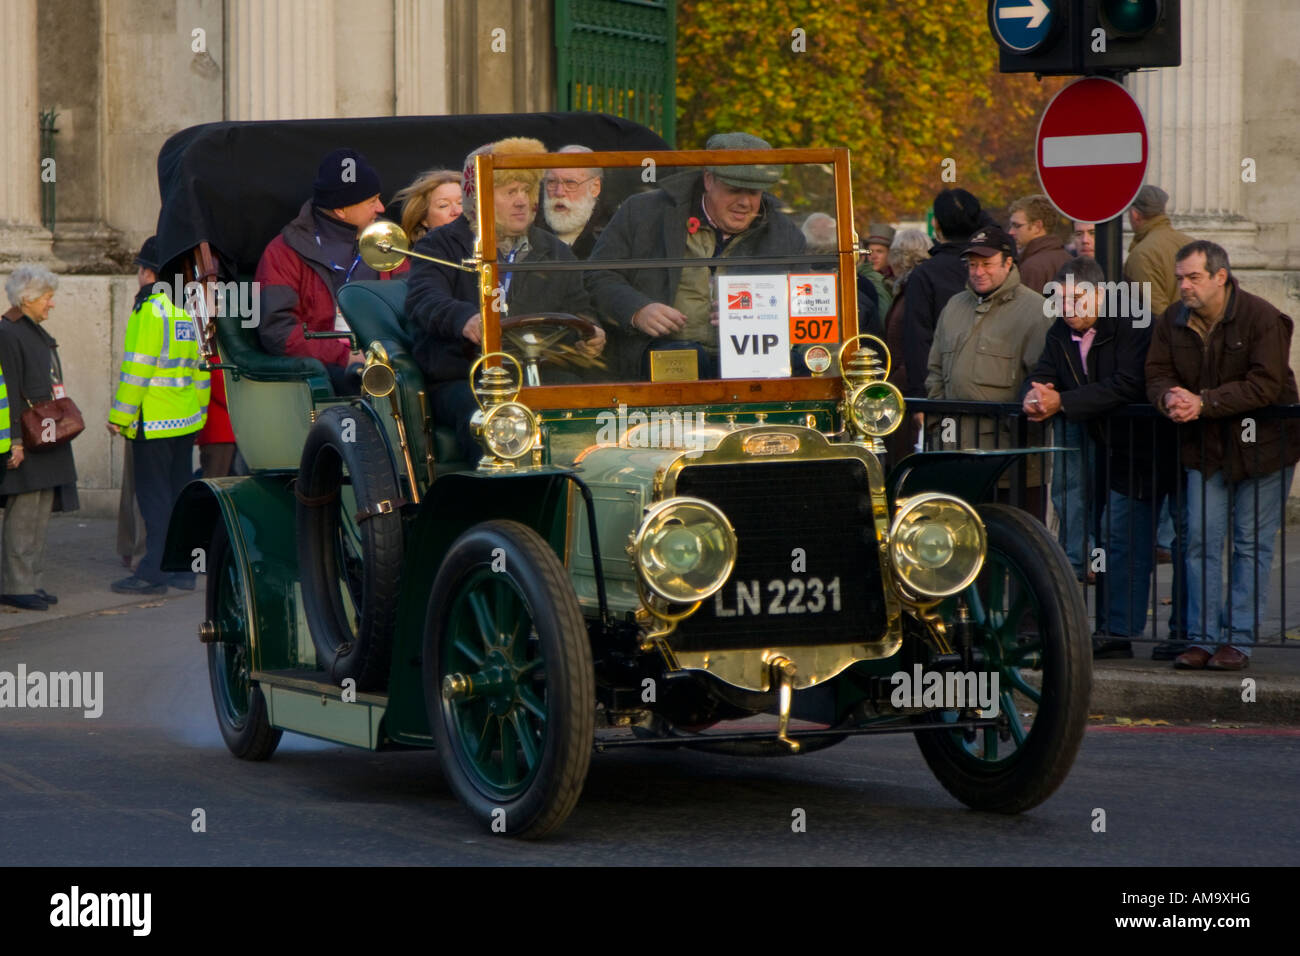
x,y
35,483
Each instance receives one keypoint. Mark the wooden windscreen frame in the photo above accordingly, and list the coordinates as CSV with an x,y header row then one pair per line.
x,y
708,391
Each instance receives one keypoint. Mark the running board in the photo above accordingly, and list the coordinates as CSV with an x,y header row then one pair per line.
x,y
304,706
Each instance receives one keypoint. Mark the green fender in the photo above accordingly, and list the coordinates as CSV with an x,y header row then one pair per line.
x,y
970,474
455,502
258,512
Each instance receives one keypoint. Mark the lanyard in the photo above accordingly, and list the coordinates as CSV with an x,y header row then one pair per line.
x,y
347,276
505,281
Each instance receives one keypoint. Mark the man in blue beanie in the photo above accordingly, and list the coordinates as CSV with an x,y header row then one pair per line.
x,y
314,256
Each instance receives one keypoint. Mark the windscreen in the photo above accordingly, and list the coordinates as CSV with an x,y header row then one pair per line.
x,y
649,273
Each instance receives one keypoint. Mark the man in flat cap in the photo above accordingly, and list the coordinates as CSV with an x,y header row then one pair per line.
x,y
720,212
879,238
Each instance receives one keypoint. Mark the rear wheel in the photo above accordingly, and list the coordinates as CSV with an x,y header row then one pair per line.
x,y
241,708
508,679
1028,619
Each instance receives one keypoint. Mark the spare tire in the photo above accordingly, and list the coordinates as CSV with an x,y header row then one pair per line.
x,y
349,545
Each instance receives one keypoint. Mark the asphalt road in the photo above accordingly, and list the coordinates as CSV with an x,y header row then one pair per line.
x,y
122,789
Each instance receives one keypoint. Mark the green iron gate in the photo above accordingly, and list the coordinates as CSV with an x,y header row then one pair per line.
x,y
618,57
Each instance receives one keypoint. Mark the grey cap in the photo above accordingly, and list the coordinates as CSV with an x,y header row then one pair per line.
x,y
743,177
1150,201
880,233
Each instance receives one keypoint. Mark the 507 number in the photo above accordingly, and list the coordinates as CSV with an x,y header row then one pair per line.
x,y
814,330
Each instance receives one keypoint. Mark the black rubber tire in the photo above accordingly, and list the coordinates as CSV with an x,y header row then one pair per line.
x,y
1043,761
346,437
538,577
249,736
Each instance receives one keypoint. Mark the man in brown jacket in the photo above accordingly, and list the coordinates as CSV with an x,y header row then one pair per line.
x,y
1219,356
1041,252
1155,243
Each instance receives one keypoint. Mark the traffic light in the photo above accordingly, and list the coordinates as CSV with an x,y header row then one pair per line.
x,y
1131,34
1077,37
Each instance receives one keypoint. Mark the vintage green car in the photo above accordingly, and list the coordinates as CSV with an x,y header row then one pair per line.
x,y
690,539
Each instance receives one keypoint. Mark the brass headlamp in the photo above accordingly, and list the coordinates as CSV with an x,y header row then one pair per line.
x,y
507,429
873,408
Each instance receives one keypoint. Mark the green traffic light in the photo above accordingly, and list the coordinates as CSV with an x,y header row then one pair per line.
x,y
1129,17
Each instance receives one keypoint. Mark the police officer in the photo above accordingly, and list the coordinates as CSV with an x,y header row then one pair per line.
x,y
4,423
161,401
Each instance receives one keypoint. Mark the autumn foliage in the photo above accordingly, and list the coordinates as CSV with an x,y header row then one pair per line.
x,y
904,85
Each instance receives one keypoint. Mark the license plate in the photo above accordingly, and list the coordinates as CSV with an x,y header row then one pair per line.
x,y
779,596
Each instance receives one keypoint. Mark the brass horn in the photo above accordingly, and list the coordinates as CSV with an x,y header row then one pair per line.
x,y
383,245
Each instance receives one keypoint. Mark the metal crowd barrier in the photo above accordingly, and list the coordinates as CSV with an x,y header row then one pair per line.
x,y
1136,453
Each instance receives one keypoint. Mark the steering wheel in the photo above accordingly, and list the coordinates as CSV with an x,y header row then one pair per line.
x,y
548,338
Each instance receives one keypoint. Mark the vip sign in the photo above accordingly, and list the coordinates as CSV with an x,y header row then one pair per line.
x,y
754,326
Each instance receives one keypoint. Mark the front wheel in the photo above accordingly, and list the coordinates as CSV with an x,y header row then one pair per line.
x,y
1028,618
508,679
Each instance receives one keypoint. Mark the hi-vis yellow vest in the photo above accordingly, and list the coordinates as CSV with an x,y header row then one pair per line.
x,y
4,414
161,383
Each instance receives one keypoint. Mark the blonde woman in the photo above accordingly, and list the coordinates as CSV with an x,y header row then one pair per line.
x,y
433,200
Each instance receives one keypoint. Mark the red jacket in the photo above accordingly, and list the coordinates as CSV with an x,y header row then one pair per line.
x,y
298,284
217,428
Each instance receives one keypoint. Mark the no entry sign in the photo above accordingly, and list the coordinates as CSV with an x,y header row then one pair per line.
x,y
1092,150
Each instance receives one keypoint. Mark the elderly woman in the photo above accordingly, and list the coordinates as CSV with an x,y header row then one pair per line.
x,y
39,482
909,248
431,201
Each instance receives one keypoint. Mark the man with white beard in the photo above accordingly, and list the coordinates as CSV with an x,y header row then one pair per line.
x,y
569,201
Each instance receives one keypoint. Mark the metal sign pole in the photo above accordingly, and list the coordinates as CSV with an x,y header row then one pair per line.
x,y
1110,251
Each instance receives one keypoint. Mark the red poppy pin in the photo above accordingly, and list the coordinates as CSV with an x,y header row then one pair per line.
x,y
692,225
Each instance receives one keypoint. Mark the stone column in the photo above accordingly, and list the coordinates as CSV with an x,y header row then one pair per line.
x,y
488,79
279,60
22,237
1194,118
420,67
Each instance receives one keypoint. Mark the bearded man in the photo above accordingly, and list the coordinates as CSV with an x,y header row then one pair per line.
x,y
571,206
442,303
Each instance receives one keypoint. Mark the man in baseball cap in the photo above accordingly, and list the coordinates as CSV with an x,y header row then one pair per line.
x,y
989,241
989,336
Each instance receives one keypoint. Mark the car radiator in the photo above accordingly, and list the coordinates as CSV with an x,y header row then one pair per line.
x,y
808,564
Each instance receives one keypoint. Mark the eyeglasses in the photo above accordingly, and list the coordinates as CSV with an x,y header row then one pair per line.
x,y
569,186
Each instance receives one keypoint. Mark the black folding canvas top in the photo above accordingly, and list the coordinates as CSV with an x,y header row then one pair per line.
x,y
236,185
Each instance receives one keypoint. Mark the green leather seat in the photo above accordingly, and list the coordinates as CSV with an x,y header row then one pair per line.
x,y
241,346
376,311
271,398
